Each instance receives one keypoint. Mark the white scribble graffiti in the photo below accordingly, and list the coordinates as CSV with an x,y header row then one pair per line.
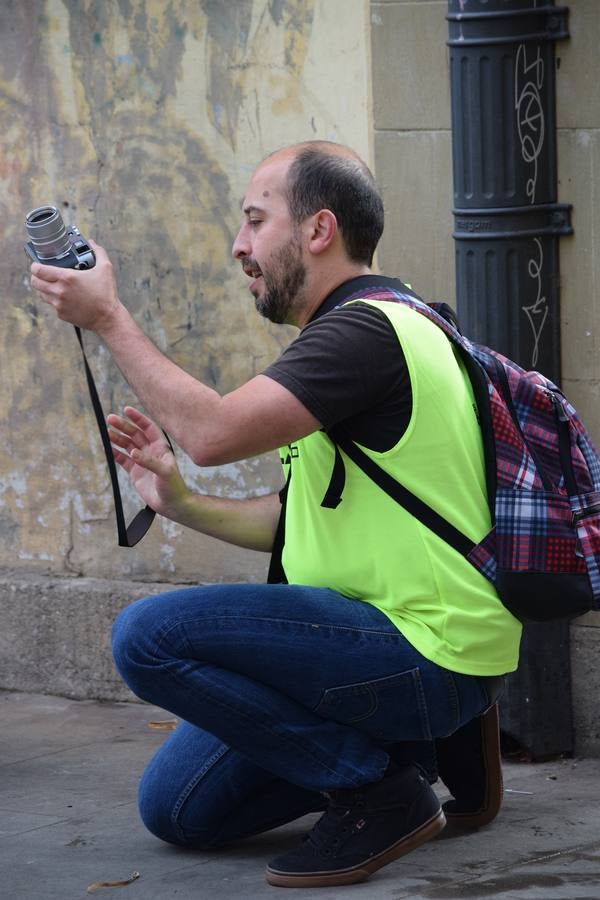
x,y
537,312
529,78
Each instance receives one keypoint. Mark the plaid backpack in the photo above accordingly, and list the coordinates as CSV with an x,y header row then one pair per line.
x,y
543,482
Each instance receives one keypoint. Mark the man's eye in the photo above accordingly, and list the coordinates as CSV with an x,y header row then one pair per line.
x,y
254,221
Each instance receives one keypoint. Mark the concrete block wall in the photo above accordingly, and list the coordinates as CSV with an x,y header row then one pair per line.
x,y
55,635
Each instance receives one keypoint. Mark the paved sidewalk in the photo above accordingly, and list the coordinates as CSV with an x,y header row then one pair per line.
x,y
68,773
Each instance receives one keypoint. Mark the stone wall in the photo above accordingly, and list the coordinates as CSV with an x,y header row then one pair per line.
x,y
142,121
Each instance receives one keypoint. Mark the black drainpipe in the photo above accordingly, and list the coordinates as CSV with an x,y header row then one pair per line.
x,y
507,226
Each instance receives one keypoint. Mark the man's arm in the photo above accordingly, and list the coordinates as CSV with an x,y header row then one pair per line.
x,y
141,449
247,523
259,416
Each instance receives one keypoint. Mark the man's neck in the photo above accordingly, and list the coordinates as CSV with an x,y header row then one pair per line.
x,y
324,284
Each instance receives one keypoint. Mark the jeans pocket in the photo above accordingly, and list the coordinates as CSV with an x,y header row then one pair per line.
x,y
388,709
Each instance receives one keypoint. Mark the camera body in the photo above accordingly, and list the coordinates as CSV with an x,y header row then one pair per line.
x,y
54,244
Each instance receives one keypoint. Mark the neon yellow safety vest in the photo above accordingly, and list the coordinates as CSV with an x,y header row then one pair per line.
x,y
371,549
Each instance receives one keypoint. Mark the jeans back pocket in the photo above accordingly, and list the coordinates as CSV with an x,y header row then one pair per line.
x,y
388,709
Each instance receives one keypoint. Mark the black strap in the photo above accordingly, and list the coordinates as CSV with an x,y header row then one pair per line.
x,y
129,535
276,573
333,494
416,507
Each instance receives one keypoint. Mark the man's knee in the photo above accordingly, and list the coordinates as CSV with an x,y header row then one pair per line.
x,y
132,640
164,814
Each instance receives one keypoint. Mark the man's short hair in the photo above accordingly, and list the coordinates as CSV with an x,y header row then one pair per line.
x,y
321,179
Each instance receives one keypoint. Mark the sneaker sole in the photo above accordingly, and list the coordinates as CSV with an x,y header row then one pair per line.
x,y
468,820
363,870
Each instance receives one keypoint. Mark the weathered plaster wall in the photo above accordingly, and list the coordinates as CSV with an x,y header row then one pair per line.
x,y
143,120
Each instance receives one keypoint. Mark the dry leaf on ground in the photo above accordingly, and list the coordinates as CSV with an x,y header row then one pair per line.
x,y
123,883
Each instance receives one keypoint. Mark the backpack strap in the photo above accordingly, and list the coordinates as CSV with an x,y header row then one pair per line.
x,y
443,316
276,574
409,501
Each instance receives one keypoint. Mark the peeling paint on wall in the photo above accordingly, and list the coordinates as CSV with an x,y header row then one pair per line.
x,y
143,120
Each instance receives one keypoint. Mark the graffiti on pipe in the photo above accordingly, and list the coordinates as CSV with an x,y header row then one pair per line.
x,y
529,78
537,312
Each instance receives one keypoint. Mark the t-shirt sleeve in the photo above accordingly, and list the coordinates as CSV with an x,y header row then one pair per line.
x,y
347,363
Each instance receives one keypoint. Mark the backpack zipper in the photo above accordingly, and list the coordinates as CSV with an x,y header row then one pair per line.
x,y
559,409
582,513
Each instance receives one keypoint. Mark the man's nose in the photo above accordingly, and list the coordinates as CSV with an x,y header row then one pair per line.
x,y
240,246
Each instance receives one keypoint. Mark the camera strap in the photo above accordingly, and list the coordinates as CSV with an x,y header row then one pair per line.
x,y
129,535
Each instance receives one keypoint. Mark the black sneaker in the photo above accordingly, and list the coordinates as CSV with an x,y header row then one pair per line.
x,y
362,830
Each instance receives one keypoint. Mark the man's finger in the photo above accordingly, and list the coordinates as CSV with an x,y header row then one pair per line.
x,y
145,424
152,463
45,273
126,427
120,439
122,459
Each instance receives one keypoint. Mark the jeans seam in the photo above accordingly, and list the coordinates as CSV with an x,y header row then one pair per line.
x,y
192,783
164,631
422,703
454,697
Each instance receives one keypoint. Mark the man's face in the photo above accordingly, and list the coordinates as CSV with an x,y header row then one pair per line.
x,y
269,245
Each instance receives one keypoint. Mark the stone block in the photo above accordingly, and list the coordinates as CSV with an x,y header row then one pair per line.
x,y
414,170
585,674
56,633
411,83
578,163
578,68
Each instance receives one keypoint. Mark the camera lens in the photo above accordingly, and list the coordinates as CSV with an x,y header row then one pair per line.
x,y
40,217
47,231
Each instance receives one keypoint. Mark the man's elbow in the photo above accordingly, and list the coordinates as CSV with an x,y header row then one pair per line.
x,y
203,456
206,453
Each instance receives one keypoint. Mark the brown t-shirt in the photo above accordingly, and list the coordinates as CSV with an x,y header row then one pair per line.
x,y
347,367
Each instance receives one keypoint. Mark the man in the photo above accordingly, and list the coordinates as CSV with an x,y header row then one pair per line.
x,y
322,693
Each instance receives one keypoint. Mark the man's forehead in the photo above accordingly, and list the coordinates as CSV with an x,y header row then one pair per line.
x,y
267,183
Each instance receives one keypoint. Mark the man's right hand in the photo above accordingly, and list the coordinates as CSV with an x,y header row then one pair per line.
x,y
86,298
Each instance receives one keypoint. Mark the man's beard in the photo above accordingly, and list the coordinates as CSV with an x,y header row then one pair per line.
x,y
284,285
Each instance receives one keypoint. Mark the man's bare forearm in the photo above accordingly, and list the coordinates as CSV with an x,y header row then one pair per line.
x,y
179,402
247,523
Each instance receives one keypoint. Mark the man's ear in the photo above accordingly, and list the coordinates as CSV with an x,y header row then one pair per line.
x,y
323,229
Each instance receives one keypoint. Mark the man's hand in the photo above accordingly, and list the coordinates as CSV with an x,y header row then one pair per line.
x,y
139,446
87,298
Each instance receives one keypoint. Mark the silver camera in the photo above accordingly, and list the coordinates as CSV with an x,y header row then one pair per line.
x,y
53,244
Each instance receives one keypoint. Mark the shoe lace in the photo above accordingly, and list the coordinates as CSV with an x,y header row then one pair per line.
x,y
343,816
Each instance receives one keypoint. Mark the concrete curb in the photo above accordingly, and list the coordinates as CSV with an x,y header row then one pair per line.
x,y
56,633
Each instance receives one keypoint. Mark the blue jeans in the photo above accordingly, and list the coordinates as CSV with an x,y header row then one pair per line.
x,y
285,692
